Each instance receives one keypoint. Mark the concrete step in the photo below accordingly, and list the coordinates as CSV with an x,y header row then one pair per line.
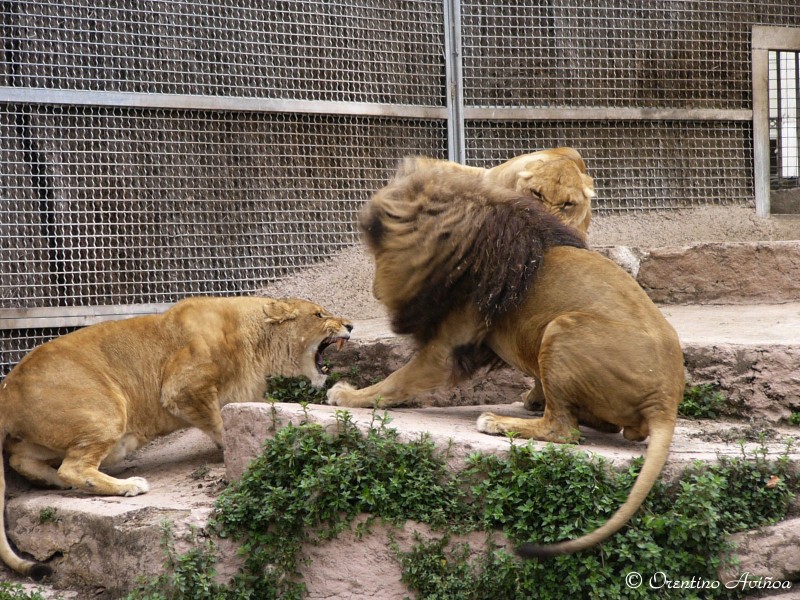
x,y
100,546
750,352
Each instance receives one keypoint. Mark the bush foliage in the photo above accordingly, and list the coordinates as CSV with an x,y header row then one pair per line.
x,y
309,484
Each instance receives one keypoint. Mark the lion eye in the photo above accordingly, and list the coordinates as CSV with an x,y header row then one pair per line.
x,y
567,205
320,315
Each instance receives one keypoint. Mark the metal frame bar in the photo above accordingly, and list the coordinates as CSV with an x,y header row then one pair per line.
x,y
765,39
605,114
73,316
189,102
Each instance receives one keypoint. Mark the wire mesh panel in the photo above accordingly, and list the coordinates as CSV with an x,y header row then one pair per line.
x,y
376,51
636,164
607,53
155,149
16,343
628,62
119,206
170,189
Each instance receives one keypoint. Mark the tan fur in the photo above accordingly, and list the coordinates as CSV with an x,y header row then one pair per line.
x,y
601,352
557,178
92,396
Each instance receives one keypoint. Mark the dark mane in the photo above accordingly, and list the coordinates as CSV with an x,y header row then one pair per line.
x,y
487,242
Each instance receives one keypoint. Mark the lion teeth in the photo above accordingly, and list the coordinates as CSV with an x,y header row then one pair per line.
x,y
339,343
324,369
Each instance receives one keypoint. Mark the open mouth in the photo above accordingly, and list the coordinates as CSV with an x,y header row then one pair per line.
x,y
337,341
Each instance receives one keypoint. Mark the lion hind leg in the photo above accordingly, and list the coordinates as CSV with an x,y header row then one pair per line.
x,y
636,434
33,462
79,469
589,420
534,400
562,429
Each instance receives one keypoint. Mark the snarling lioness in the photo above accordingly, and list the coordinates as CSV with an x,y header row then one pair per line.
x,y
93,396
479,275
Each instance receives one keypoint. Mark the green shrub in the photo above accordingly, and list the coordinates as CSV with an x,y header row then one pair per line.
x,y
299,389
14,591
48,515
701,402
308,485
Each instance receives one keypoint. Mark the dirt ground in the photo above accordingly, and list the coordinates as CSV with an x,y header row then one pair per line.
x,y
343,284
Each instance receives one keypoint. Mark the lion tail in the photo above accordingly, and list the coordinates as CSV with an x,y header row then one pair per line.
x,y
29,568
657,452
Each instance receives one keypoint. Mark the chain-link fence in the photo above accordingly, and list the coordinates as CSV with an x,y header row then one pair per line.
x,y
151,150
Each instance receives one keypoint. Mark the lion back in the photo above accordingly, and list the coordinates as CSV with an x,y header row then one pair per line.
x,y
444,239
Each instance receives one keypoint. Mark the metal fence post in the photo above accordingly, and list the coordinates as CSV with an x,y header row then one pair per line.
x,y
454,80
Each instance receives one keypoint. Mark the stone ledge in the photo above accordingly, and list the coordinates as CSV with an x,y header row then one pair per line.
x,y
101,546
750,352
770,552
715,273
453,431
356,566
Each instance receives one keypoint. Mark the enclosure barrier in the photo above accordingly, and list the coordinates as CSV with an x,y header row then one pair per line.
x,y
151,150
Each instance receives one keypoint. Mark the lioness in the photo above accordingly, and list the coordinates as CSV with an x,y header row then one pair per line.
x,y
478,275
557,178
93,396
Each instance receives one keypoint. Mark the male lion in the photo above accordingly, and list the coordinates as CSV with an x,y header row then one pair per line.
x,y
478,275
93,396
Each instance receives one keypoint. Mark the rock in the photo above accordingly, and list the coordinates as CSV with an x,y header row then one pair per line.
x,y
626,257
770,552
730,273
759,382
354,566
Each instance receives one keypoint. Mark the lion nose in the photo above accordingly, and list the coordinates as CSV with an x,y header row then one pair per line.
x,y
349,327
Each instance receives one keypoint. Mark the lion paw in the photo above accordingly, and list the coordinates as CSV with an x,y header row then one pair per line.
x,y
338,393
488,423
133,486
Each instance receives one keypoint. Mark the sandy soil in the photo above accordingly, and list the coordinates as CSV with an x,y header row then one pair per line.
x,y
343,284
689,226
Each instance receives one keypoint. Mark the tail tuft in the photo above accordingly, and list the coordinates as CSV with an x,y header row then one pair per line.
x,y
39,571
530,550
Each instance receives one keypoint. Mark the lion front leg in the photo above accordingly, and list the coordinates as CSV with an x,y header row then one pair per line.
x,y
189,392
426,371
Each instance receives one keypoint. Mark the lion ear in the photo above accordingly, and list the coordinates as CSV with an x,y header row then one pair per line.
x,y
526,183
409,165
588,186
278,311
